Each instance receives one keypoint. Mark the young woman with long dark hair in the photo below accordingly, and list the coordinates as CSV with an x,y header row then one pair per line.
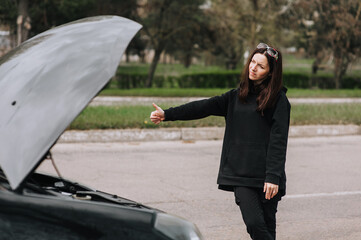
x,y
257,116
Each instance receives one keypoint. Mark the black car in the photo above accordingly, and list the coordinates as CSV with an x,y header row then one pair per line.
x,y
46,82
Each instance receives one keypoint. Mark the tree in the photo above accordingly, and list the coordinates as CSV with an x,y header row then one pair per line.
x,y
32,17
345,37
185,45
225,36
51,13
164,19
236,26
127,9
23,21
329,26
8,15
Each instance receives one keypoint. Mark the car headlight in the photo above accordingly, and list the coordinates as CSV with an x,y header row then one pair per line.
x,y
176,228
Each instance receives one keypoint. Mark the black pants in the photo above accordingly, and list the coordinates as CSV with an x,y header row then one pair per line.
x,y
258,214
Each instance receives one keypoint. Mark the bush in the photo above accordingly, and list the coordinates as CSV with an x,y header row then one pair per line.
x,y
226,79
296,80
351,82
165,82
138,80
130,80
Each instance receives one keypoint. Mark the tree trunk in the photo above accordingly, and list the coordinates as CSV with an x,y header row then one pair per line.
x,y
141,55
153,66
337,72
253,27
231,62
315,66
23,22
127,53
187,61
341,64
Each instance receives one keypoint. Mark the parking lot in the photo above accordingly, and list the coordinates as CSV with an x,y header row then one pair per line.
x,y
323,198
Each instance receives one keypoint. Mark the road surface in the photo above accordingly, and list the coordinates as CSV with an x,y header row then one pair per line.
x,y
323,198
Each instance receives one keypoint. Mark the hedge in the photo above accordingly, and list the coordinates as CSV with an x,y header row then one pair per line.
x,y
209,80
227,79
138,80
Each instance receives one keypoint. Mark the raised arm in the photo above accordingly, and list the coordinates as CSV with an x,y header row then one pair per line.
x,y
193,110
216,106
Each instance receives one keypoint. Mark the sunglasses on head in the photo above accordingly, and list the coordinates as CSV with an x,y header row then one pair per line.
x,y
270,51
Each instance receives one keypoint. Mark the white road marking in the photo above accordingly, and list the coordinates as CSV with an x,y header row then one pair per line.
x,y
313,195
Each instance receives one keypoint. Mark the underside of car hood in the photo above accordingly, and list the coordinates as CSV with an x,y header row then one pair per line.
x,y
48,80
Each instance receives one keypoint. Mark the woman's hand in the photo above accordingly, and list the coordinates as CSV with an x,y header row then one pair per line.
x,y
270,189
158,115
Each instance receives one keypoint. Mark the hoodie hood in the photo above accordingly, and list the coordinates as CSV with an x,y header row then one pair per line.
x,y
48,80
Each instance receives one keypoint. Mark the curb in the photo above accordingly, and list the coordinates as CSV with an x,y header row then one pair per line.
x,y
324,130
147,101
192,134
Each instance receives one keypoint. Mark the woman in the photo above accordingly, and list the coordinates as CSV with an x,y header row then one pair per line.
x,y
257,116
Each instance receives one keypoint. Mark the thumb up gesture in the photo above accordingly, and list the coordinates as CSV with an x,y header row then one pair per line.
x,y
158,115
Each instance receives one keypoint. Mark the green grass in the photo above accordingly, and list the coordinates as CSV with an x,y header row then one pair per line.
x,y
168,69
104,117
293,64
199,92
323,93
305,114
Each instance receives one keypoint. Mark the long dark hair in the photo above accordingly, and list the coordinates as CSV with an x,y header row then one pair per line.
x,y
269,87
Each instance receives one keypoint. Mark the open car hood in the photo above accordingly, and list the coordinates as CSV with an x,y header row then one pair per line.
x,y
48,80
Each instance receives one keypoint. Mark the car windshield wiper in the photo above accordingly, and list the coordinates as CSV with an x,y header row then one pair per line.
x,y
34,188
104,197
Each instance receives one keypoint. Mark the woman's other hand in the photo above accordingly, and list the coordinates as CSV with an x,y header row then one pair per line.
x,y
270,189
158,115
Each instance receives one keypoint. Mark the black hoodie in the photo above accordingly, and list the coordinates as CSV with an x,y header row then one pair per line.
x,y
254,146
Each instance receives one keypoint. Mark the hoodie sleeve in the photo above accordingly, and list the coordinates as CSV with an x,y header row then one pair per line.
x,y
277,147
200,109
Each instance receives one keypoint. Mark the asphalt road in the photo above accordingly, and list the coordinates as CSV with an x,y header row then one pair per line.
x,y
323,198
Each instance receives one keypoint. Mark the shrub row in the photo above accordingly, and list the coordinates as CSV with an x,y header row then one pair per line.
x,y
227,79
209,80
135,80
